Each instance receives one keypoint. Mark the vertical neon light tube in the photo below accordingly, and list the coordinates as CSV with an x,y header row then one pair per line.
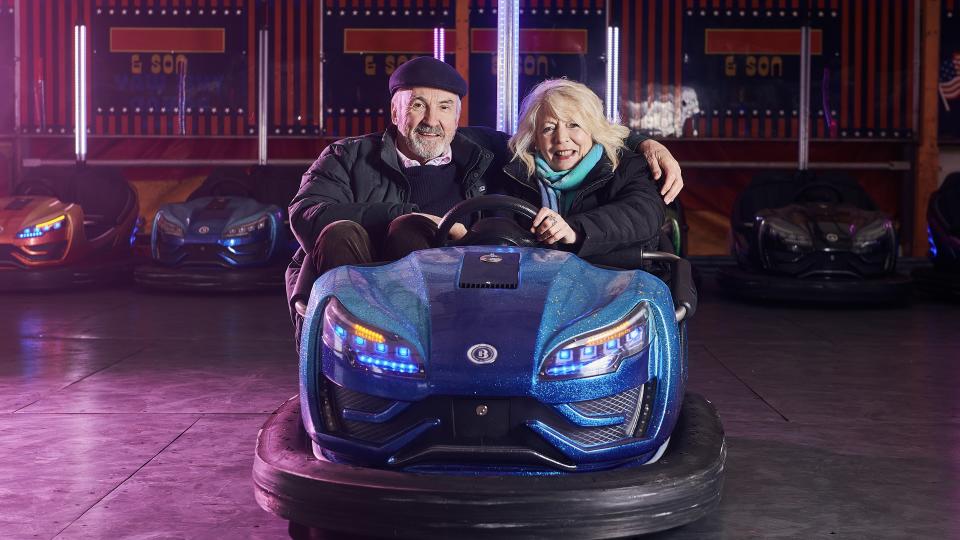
x,y
508,55
80,92
439,44
803,158
262,66
612,94
615,92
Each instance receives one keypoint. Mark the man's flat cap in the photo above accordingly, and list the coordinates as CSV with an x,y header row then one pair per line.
x,y
430,72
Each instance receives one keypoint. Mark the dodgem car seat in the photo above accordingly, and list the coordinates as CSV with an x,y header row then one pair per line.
x,y
770,189
230,181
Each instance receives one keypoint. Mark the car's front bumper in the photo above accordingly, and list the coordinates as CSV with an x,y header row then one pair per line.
x,y
13,278
938,282
209,278
890,289
683,486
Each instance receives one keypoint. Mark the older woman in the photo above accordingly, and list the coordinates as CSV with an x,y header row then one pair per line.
x,y
596,196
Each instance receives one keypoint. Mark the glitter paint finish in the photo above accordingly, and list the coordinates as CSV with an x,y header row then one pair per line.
x,y
559,297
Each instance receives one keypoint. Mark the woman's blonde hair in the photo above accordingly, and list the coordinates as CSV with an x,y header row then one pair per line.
x,y
569,101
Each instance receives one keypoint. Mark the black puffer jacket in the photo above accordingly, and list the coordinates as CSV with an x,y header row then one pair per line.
x,y
360,179
614,212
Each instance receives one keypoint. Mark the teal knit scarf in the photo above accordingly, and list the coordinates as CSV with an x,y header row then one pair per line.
x,y
557,187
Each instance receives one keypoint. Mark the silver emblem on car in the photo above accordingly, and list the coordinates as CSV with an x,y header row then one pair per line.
x,y
203,230
491,258
832,237
481,353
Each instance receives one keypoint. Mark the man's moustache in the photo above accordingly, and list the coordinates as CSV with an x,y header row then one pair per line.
x,y
429,131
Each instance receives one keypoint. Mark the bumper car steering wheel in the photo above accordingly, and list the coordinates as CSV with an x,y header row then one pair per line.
x,y
492,230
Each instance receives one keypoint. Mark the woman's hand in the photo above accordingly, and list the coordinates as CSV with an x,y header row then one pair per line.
x,y
550,228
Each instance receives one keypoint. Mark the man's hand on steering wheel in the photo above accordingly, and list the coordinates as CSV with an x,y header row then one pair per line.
x,y
550,228
457,232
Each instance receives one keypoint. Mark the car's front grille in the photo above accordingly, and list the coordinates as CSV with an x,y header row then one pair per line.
x,y
595,436
214,254
503,424
348,399
51,251
624,403
373,432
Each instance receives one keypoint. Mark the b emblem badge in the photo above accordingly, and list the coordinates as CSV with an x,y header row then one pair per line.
x,y
491,258
832,237
481,353
203,230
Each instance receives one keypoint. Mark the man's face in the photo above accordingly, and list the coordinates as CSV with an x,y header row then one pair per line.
x,y
426,120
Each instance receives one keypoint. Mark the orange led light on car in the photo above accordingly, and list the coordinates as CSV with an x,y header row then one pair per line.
x,y
368,334
50,223
617,331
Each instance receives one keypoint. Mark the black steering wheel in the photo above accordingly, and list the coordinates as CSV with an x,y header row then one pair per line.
x,y
490,231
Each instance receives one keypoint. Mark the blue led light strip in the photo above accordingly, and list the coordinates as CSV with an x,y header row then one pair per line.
x,y
389,365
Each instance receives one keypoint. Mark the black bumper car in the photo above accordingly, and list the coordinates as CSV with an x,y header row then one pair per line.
x,y
943,217
65,227
812,240
232,233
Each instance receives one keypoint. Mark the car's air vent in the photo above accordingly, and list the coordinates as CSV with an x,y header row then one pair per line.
x,y
490,270
488,285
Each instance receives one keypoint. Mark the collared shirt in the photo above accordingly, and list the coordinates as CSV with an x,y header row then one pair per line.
x,y
442,159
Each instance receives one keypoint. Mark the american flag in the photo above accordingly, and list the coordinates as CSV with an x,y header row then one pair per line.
x,y
950,78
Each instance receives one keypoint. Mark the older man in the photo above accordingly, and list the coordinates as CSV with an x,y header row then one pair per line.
x,y
380,196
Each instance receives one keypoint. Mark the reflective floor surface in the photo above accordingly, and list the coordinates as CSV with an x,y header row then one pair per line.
x,y
134,415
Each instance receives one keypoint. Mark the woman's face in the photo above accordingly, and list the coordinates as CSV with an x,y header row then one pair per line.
x,y
561,141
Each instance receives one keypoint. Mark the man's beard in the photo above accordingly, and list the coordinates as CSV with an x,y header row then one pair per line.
x,y
426,149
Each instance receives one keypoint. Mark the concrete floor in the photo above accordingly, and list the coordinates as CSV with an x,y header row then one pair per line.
x,y
133,415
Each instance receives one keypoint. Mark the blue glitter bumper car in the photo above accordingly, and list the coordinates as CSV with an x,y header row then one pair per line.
x,y
232,233
493,389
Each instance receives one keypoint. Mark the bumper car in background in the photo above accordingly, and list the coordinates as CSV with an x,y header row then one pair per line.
x,y
943,218
67,226
812,239
232,233
493,389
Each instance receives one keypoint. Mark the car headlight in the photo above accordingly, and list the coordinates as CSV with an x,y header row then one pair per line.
x,y
41,229
168,227
363,346
786,232
601,351
247,228
868,238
